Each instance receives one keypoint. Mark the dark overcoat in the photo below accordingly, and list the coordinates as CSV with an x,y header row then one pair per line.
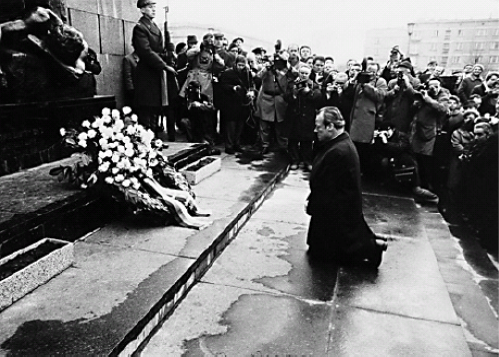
x,y
337,226
301,113
150,86
235,105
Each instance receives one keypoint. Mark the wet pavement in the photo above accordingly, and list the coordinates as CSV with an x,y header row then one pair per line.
x,y
435,294
264,296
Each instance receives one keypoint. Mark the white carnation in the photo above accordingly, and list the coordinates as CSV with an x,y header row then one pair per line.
x,y
115,158
106,111
85,124
118,126
119,136
103,143
130,130
91,134
126,183
82,136
109,180
129,152
134,118
115,170
108,153
128,144
62,131
127,110
82,143
115,113
119,178
121,149
104,167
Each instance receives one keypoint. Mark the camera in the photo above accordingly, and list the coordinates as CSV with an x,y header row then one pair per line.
x,y
364,77
301,85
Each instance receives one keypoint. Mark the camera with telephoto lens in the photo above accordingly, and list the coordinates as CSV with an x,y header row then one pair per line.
x,y
364,77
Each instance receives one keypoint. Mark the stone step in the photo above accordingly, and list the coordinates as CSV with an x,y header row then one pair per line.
x,y
34,205
128,277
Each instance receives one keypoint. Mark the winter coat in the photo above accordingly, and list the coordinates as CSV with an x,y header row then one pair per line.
x,y
272,98
466,87
367,102
342,101
399,105
428,120
337,227
235,104
302,111
489,99
150,76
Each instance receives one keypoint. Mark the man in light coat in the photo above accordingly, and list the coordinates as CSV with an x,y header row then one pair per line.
x,y
366,106
433,108
272,101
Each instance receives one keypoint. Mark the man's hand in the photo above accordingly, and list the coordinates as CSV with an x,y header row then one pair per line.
x,y
219,59
171,70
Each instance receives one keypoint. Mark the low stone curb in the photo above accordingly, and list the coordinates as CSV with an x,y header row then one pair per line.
x,y
37,273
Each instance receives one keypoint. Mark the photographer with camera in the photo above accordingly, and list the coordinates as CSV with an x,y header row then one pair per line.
x,y
400,97
370,91
197,125
238,93
431,110
339,92
305,100
272,99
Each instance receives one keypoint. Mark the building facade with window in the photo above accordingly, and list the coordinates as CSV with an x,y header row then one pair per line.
x,y
452,43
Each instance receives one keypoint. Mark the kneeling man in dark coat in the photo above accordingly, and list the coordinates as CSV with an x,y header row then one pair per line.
x,y
338,231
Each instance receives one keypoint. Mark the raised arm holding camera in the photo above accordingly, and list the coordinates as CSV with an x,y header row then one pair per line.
x,y
301,116
272,101
400,97
370,91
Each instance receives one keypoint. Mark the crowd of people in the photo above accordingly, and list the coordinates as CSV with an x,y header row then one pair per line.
x,y
432,132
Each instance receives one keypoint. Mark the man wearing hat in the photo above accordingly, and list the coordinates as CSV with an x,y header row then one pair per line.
x,y
238,41
237,91
400,96
470,82
272,103
432,108
389,72
150,80
192,41
259,53
182,60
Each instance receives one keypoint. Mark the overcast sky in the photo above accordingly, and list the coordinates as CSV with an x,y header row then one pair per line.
x,y
336,28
